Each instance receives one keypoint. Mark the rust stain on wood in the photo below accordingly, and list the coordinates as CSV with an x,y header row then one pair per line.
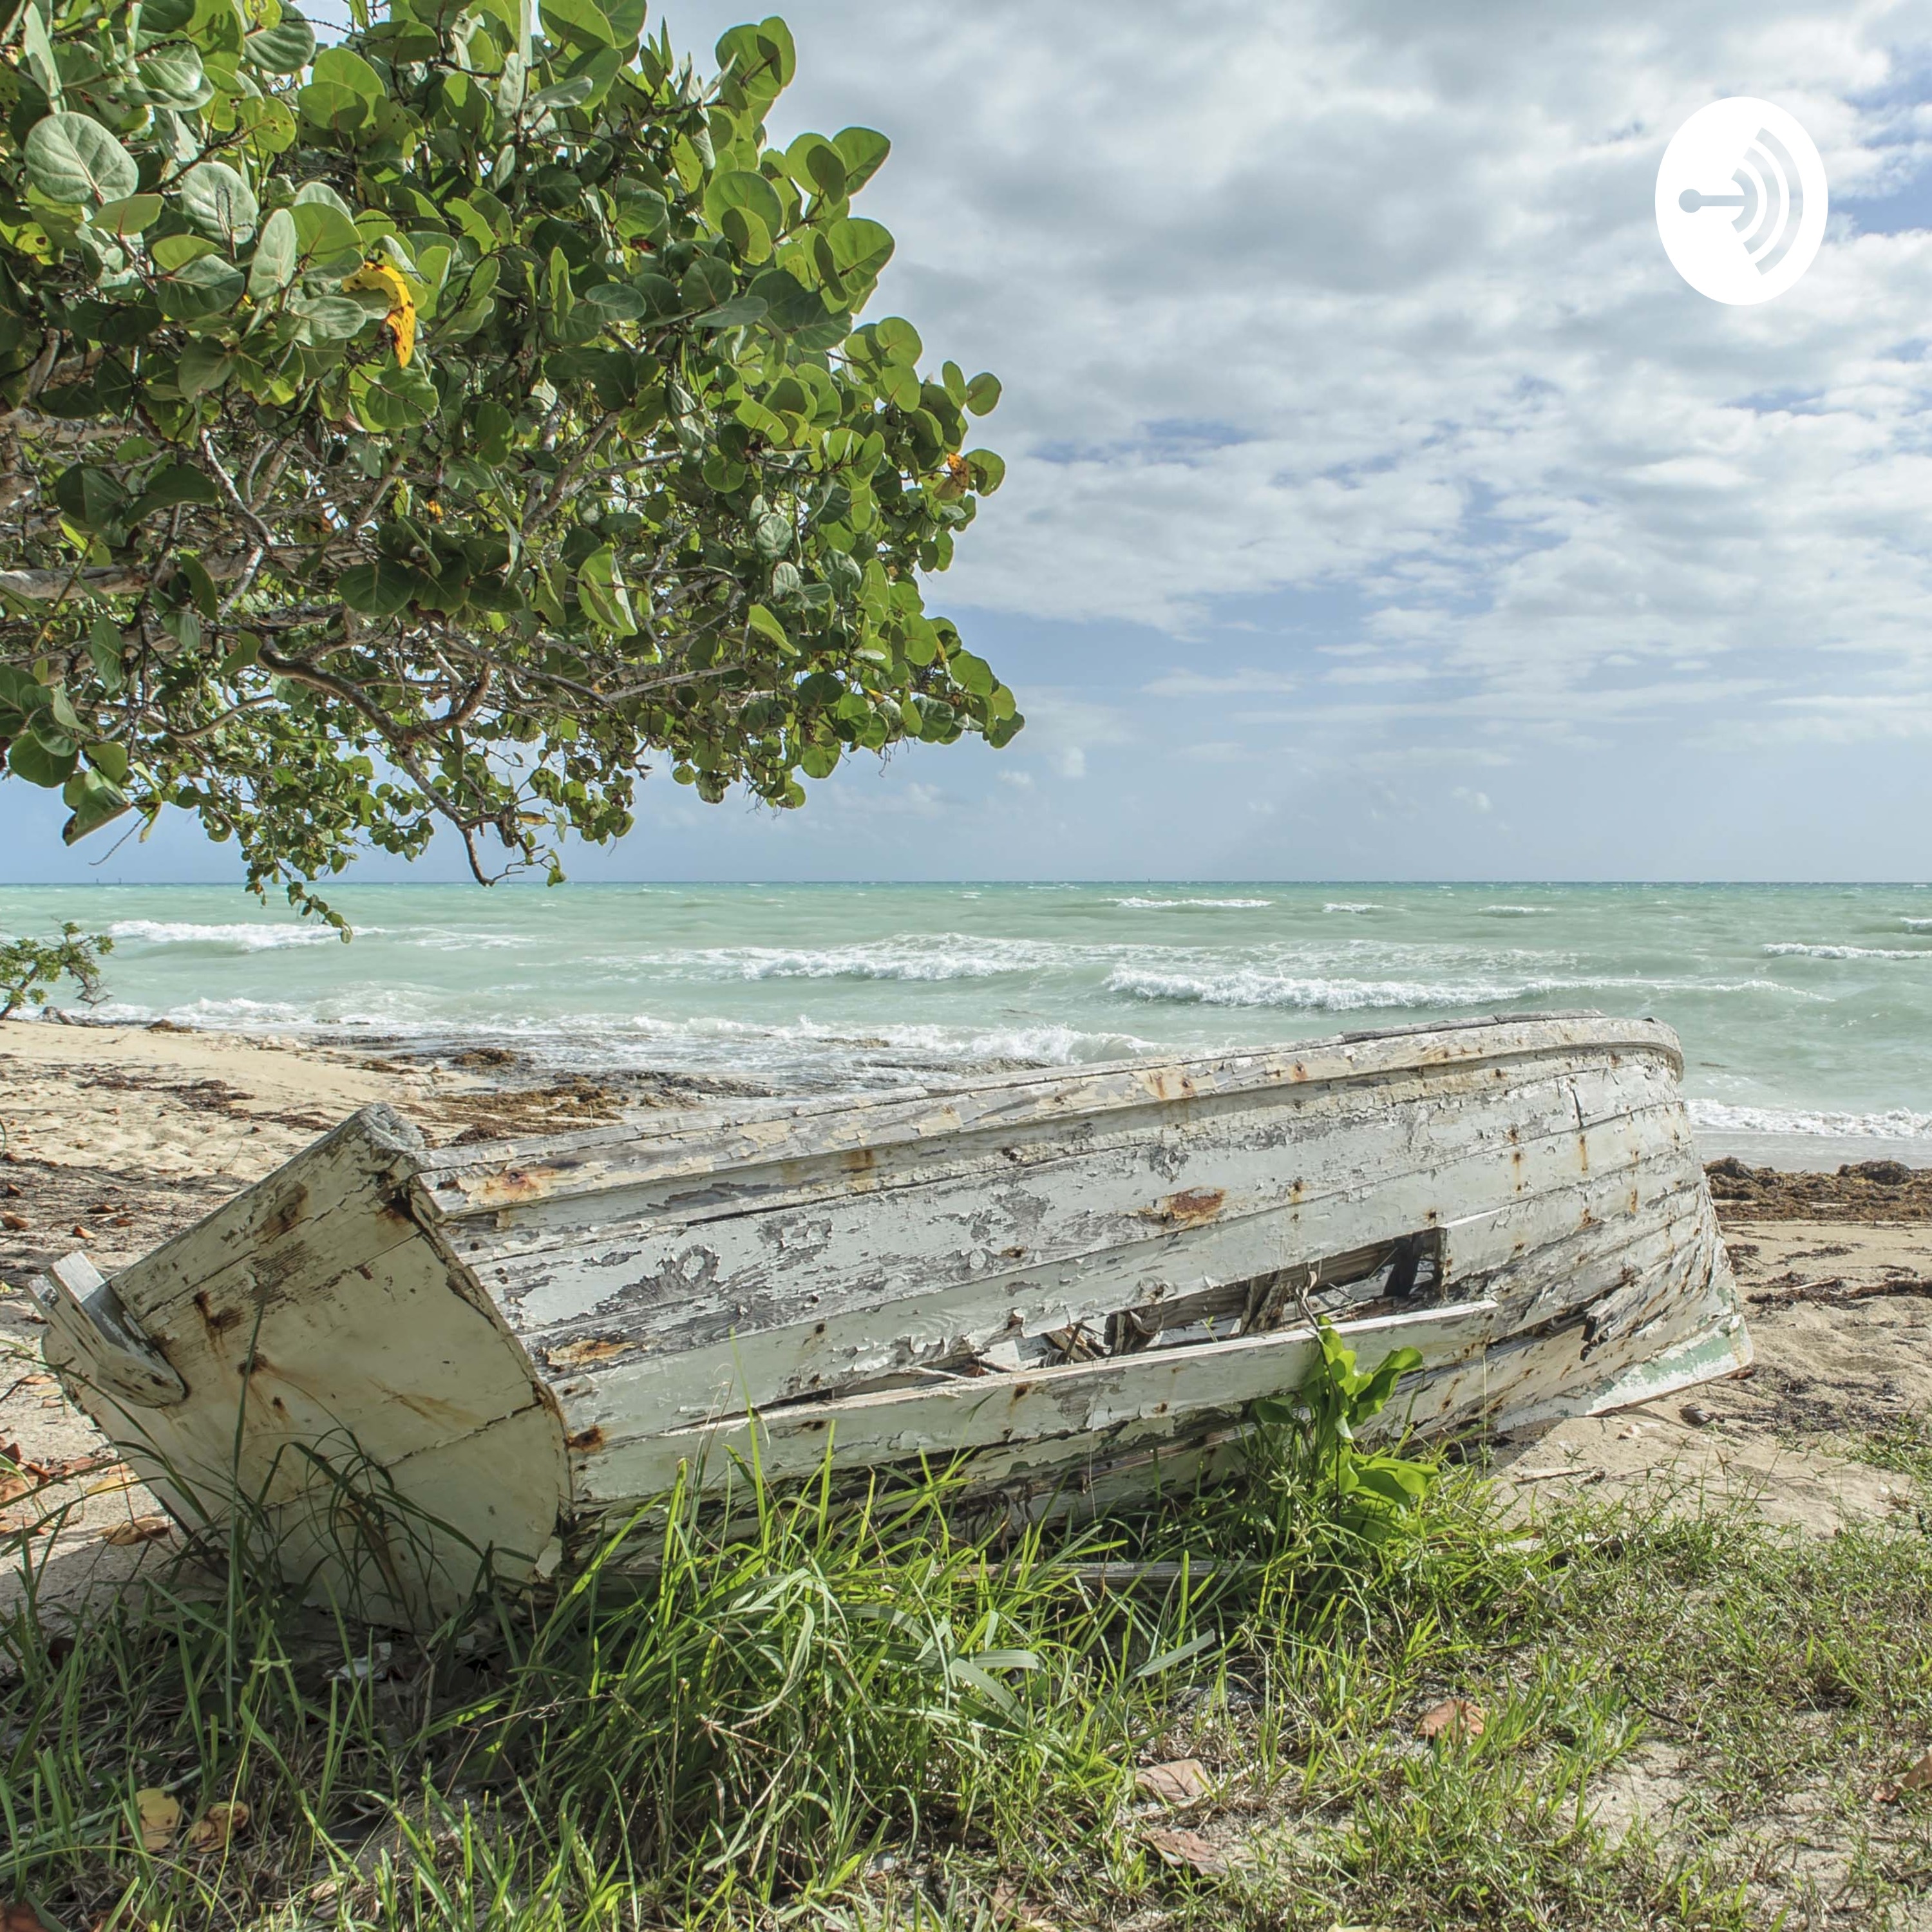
x,y
585,1440
285,1215
216,1321
1192,1207
514,1184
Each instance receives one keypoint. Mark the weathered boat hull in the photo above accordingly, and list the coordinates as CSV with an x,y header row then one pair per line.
x,y
1078,1278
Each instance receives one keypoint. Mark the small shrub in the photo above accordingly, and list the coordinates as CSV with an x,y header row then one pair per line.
x,y
30,969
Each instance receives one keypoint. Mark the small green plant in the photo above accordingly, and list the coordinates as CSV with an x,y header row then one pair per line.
x,y
30,969
1367,1493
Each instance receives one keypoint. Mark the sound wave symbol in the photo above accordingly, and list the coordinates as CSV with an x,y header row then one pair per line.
x,y
1770,201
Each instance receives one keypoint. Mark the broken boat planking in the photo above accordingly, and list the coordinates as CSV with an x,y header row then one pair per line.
x,y
1077,1278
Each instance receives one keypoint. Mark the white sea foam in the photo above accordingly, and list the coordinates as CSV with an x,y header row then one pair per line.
x,y
1350,905
1252,987
448,939
904,956
231,1015
1225,905
1512,911
1918,925
1794,949
940,1045
1891,1124
248,937
809,1052
1249,987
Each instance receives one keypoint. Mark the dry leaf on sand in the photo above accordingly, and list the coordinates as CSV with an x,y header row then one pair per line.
x,y
1455,1718
212,1830
1010,1908
1179,1782
160,1819
22,1917
136,1529
1187,1848
1919,1778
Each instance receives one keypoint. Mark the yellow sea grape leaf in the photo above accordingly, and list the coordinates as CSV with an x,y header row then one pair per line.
x,y
212,1830
160,1819
402,316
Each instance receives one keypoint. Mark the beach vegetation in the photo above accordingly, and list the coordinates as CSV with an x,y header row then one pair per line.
x,y
31,970
1229,1711
448,426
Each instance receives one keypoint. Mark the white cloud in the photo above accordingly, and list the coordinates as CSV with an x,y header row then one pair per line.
x,y
1062,728
1227,684
1322,295
922,801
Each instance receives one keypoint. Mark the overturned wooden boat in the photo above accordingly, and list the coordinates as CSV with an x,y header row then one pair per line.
x,y
1076,1279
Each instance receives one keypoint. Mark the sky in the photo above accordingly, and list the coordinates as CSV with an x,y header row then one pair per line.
x,y
1380,503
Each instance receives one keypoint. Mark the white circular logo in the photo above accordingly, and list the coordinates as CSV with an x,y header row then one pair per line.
x,y
1741,200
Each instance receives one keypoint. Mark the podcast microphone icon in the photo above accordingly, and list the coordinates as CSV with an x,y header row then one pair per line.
x,y
1770,201
1741,200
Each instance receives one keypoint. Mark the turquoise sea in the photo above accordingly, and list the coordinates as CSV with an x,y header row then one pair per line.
x,y
1805,1011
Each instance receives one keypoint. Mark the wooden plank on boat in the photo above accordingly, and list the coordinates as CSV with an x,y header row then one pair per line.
x,y
1122,1095
681,1284
1165,1390
88,1329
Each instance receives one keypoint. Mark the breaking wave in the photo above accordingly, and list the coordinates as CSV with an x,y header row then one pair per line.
x,y
1225,905
1250,987
1893,1124
935,1046
248,937
1512,911
907,956
1350,905
1794,949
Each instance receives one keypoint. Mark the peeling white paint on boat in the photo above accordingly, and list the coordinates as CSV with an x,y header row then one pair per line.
x,y
1077,1278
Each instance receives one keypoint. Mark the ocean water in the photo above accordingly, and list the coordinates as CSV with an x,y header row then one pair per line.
x,y
1805,1011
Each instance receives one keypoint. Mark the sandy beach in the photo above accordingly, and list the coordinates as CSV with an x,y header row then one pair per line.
x,y
115,1138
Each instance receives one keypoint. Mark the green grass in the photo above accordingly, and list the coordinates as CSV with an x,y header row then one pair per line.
x,y
1902,1443
870,1718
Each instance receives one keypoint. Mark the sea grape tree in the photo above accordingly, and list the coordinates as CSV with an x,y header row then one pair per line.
x,y
447,425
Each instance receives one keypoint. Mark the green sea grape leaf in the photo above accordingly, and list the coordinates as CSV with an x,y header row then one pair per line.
x,y
219,201
72,158
863,150
287,47
274,266
130,215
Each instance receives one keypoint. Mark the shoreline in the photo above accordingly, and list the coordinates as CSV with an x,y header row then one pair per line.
x,y
1809,1154
506,1064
